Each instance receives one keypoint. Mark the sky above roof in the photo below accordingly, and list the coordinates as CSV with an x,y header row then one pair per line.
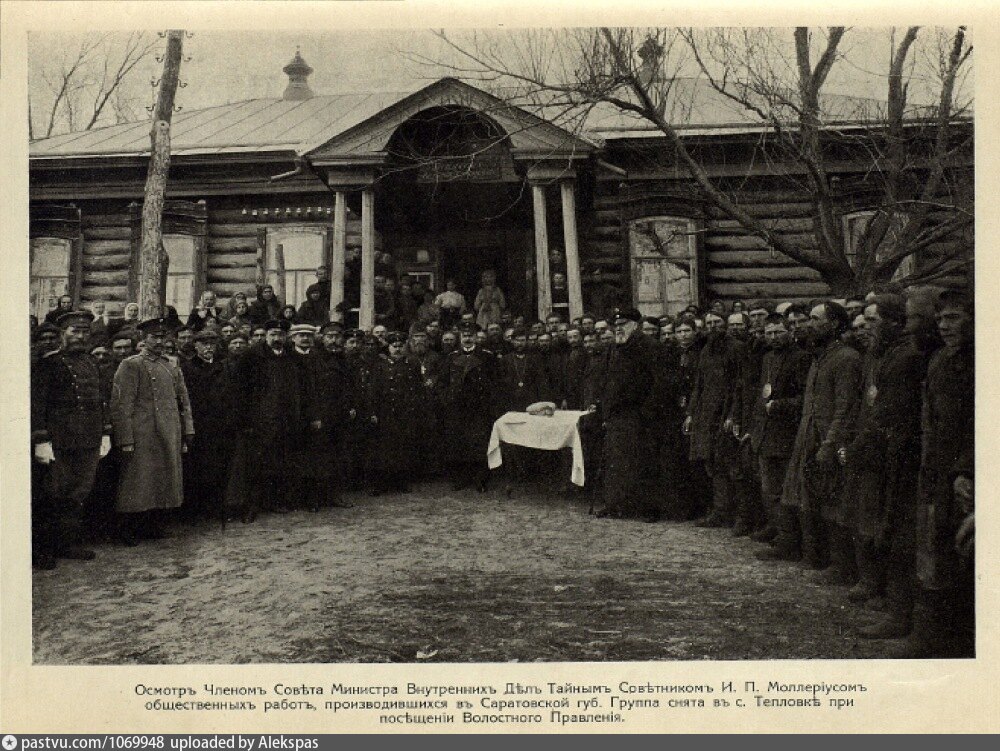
x,y
230,67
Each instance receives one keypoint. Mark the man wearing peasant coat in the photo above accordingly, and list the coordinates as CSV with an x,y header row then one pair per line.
x,y
151,418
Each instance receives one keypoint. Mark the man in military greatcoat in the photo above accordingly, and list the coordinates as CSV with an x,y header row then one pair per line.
x,y
469,392
336,400
69,432
153,427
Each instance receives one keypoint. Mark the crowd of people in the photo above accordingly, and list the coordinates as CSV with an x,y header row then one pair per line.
x,y
838,435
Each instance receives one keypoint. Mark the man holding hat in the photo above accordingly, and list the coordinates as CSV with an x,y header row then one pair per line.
x,y
69,432
153,427
629,408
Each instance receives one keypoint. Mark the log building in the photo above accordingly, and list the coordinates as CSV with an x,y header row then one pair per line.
x,y
447,180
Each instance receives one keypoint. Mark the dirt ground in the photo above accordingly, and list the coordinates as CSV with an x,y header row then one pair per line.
x,y
451,577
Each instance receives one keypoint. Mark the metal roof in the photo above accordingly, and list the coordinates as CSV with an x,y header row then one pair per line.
x,y
277,125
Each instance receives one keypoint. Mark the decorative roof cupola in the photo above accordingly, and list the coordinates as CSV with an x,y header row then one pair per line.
x,y
298,71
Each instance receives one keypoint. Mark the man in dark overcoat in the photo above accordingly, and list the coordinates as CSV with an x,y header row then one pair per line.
x,y
777,410
710,416
206,464
429,362
944,610
630,408
469,387
904,334
337,405
70,430
393,408
829,416
310,472
272,419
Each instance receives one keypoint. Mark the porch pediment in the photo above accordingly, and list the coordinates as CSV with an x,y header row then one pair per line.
x,y
529,136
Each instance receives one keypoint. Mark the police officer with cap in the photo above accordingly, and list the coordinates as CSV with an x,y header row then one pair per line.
x,y
70,433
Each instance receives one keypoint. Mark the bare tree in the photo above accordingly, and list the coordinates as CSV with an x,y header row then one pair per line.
x,y
153,260
90,83
909,151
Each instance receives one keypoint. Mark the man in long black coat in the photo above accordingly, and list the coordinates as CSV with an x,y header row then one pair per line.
x,y
630,408
944,611
393,408
710,416
469,387
206,464
830,402
777,409
892,439
429,435
337,405
268,379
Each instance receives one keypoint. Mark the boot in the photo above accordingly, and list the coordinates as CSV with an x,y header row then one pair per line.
x,y
869,567
786,540
814,542
842,571
932,631
764,534
896,623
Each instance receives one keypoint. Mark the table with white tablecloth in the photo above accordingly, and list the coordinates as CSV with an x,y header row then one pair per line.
x,y
560,431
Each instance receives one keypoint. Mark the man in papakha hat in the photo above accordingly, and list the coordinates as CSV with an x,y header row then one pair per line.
x,y
153,427
69,432
630,406
206,464
469,385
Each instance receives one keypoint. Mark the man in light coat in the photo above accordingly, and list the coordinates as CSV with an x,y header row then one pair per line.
x,y
151,419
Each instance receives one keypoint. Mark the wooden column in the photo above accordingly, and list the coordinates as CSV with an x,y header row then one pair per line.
x,y
339,254
568,188
367,314
541,253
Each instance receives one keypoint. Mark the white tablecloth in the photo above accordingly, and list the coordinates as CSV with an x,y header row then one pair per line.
x,y
548,433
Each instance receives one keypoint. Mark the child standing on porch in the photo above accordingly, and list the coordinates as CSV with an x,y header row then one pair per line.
x,y
490,301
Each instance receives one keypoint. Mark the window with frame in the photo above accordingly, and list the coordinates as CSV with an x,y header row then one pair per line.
x,y
181,272
854,226
303,251
663,252
51,260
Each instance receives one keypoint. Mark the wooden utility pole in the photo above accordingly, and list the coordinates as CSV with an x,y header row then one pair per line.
x,y
152,266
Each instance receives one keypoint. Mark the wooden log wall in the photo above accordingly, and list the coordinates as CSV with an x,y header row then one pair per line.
x,y
233,244
107,254
742,267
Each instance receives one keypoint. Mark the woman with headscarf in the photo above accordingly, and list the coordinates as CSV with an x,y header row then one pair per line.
x,y
266,307
313,310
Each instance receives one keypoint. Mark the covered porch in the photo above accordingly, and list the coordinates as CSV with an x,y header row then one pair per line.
x,y
454,181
